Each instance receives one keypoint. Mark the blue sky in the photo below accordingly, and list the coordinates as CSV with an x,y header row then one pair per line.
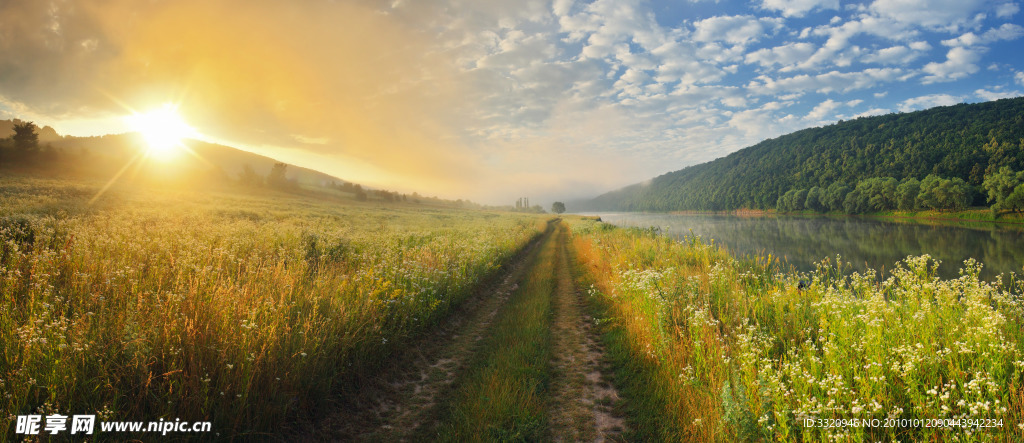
x,y
493,100
661,85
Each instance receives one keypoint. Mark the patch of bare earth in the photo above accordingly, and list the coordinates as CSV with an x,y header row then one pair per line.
x,y
582,395
402,399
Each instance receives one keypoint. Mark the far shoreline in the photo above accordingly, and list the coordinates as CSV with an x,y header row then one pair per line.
x,y
970,215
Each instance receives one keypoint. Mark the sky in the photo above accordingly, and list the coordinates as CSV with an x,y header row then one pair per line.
x,y
493,100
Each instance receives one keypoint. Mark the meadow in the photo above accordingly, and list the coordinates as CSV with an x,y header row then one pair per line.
x,y
248,310
261,311
709,347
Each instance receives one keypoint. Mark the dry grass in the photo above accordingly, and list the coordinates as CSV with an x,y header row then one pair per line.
x,y
247,311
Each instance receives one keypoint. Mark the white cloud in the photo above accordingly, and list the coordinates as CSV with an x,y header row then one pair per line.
x,y
837,50
960,62
797,8
828,82
1008,31
758,123
1007,10
1020,78
739,29
947,15
824,112
894,55
920,46
824,108
928,101
561,7
996,94
872,111
786,55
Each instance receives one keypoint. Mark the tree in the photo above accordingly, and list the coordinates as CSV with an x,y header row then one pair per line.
x,y
882,193
799,197
958,194
857,201
1015,201
558,207
792,200
277,177
813,202
929,196
1000,185
906,194
943,193
25,136
835,195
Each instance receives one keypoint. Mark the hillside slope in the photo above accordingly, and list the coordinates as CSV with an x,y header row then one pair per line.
x,y
227,159
965,141
46,133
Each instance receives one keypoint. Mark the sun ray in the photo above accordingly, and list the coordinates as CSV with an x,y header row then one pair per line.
x,y
163,130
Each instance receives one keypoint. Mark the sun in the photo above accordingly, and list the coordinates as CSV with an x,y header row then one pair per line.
x,y
163,129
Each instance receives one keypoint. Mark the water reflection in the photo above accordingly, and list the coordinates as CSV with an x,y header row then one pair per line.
x,y
865,243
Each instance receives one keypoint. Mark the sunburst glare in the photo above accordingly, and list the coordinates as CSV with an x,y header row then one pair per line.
x,y
163,130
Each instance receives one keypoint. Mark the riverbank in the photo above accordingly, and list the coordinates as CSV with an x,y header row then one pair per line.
x,y
971,215
708,346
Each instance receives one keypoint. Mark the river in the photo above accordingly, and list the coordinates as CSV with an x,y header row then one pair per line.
x,y
865,243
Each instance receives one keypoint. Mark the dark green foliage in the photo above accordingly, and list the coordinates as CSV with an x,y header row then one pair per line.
x,y
834,196
856,202
25,136
882,193
963,141
1000,185
814,200
1015,201
558,207
906,194
792,200
941,193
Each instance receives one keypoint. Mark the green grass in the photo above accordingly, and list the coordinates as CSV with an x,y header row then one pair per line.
x,y
249,311
710,348
503,395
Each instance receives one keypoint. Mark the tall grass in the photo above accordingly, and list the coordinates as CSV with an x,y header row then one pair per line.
x,y
242,310
713,348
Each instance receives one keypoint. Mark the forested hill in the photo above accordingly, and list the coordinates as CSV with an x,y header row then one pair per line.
x,y
966,141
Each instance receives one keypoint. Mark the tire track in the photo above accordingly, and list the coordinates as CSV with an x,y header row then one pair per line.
x,y
403,399
582,396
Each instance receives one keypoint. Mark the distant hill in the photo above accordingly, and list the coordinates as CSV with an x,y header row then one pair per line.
x,y
229,160
965,141
46,133
117,147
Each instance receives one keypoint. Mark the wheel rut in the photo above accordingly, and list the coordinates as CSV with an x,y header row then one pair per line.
x,y
403,398
583,399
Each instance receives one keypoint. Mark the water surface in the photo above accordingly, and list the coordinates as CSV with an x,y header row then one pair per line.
x,y
863,242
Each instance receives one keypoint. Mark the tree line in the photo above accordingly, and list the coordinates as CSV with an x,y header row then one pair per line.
x,y
966,142
1004,190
